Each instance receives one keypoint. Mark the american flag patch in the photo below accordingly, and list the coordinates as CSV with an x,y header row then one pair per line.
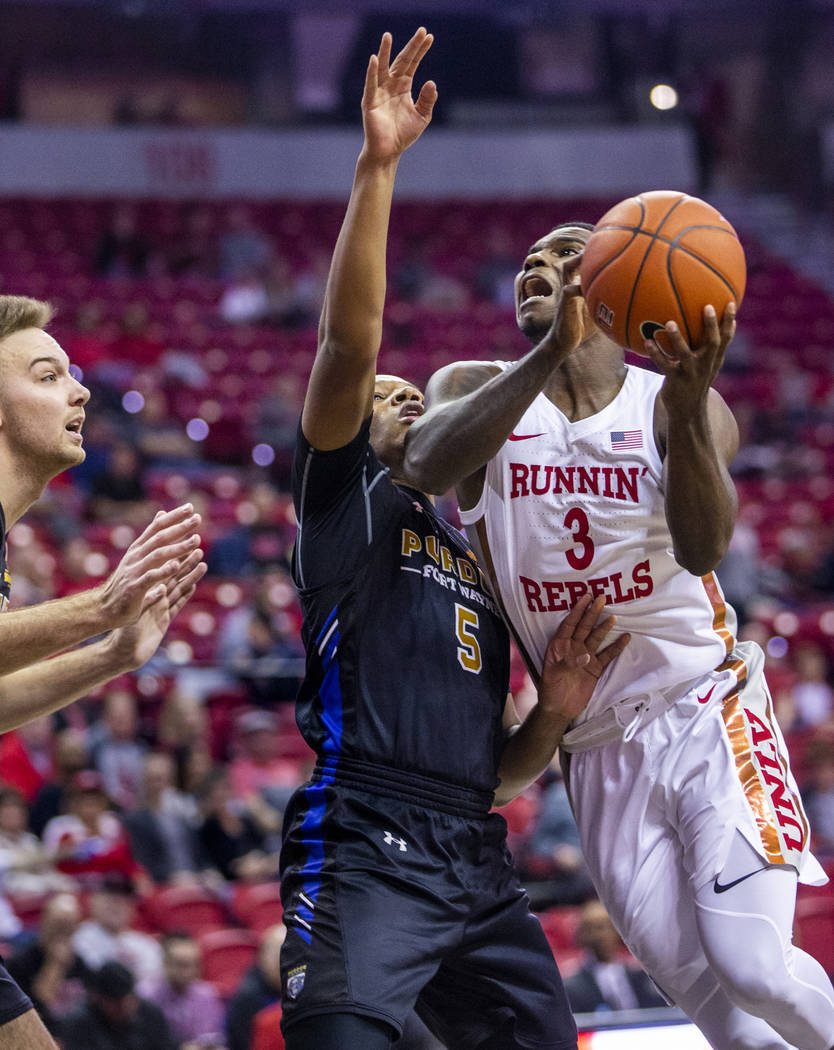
x,y
625,439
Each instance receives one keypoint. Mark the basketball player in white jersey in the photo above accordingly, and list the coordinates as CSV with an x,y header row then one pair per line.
x,y
576,472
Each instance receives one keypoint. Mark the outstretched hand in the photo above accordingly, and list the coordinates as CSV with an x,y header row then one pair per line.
x,y
137,642
574,659
391,118
691,371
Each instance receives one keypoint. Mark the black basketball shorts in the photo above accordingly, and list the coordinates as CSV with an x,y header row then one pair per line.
x,y
391,905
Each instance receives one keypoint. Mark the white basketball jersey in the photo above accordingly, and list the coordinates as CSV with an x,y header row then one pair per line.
x,y
569,507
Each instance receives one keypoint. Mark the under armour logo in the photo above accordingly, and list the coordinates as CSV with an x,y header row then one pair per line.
x,y
392,840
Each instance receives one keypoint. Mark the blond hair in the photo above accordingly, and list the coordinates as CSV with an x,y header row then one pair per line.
x,y
18,312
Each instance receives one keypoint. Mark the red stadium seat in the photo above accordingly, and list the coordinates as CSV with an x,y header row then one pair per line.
x,y
560,926
814,929
227,955
259,906
188,908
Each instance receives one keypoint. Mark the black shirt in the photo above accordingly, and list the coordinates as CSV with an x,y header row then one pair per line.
x,y
407,656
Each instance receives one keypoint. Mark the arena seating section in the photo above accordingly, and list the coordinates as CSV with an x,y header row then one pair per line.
x,y
46,248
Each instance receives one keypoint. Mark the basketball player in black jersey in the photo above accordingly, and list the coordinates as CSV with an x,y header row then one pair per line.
x,y
398,889
42,408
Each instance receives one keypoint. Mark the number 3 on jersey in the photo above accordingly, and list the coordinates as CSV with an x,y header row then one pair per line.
x,y
577,521
469,652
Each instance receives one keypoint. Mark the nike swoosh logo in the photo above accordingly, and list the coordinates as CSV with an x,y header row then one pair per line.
x,y
524,437
703,699
719,888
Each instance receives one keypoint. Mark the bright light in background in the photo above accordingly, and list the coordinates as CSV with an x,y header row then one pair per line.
x,y
263,455
133,402
663,96
777,646
197,429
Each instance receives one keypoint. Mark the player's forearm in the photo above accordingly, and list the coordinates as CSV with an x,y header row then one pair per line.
x,y
352,318
39,631
52,684
701,499
528,752
460,433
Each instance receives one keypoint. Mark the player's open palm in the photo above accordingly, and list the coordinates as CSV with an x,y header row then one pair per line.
x,y
149,566
574,659
392,119
137,642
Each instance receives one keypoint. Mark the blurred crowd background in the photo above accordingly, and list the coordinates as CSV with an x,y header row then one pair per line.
x,y
140,827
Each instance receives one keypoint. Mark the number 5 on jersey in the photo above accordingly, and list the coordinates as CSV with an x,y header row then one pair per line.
x,y
469,652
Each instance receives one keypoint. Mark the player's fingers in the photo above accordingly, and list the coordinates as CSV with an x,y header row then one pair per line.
x,y
728,324
384,55
164,519
589,618
712,332
371,79
187,565
426,100
418,55
680,350
404,64
568,625
600,633
612,651
182,532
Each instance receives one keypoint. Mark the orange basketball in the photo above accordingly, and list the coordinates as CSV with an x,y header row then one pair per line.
x,y
661,256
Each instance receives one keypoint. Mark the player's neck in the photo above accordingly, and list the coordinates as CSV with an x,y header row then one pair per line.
x,y
19,488
588,380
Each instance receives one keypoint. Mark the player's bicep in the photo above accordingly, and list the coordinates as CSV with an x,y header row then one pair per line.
x,y
339,398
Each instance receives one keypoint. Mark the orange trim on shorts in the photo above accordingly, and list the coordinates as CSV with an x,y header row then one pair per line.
x,y
748,768
719,611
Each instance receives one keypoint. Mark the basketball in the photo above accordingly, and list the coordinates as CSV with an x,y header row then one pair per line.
x,y
661,256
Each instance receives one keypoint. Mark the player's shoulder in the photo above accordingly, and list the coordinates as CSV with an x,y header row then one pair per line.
x,y
460,378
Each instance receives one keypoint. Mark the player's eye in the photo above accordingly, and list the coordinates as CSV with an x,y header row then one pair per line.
x,y
378,397
568,250
49,375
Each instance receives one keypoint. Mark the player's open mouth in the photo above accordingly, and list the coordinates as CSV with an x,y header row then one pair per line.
x,y
534,286
412,412
74,427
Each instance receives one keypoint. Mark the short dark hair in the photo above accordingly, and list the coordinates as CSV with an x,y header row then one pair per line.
x,y
113,980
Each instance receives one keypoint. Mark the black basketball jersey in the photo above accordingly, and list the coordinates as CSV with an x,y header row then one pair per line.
x,y
5,578
407,655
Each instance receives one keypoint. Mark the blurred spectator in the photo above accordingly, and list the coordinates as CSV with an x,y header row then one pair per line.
x,y
162,831
26,757
193,251
553,854
135,343
192,1007
107,935
161,437
235,835
88,342
261,539
605,981
276,421
118,493
259,988
259,768
89,840
266,1029
122,251
245,299
259,642
26,867
813,697
242,247
116,752
739,573
48,969
70,757
495,277
114,1017
818,794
